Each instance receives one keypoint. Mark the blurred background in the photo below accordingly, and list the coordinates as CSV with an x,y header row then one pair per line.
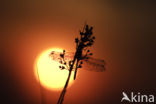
x,y
125,38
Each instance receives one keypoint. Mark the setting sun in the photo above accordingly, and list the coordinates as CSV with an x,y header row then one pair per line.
x,y
48,73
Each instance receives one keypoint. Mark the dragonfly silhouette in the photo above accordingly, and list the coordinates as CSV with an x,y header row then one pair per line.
x,y
90,64
78,59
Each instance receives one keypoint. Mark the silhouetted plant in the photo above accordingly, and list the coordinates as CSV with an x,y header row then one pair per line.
x,y
82,53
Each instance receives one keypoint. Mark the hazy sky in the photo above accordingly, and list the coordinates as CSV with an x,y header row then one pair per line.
x,y
125,39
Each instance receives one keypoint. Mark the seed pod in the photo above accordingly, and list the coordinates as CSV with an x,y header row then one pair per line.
x,y
62,55
63,67
81,33
88,50
76,40
80,66
90,54
64,51
93,37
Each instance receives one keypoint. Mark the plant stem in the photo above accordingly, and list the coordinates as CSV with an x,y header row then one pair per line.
x,y
61,98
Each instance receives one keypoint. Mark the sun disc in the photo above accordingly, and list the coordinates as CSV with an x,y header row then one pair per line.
x,y
47,71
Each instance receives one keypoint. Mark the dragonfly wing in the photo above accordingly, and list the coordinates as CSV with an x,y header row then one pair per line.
x,y
93,64
56,56
69,56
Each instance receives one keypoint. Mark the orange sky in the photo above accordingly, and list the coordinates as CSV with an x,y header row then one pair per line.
x,y
123,31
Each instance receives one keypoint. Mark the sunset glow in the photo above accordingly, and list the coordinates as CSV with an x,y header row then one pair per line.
x,y
51,77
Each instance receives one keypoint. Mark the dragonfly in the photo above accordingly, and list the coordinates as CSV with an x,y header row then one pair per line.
x,y
90,64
